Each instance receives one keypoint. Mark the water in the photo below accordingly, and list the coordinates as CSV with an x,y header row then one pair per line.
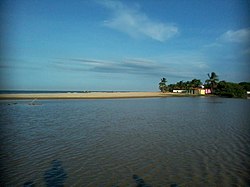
x,y
126,142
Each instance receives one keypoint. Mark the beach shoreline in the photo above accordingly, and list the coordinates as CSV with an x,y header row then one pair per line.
x,y
91,95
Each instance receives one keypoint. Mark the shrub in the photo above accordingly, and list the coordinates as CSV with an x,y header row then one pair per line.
x,y
229,89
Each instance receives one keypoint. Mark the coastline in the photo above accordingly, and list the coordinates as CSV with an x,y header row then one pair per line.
x,y
92,95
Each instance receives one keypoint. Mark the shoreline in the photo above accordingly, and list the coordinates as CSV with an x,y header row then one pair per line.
x,y
92,95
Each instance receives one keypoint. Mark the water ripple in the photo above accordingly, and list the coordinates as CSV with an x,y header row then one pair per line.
x,y
147,142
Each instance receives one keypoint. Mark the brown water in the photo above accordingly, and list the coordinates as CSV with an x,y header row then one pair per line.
x,y
126,142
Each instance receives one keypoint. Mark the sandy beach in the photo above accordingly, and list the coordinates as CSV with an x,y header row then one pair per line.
x,y
92,95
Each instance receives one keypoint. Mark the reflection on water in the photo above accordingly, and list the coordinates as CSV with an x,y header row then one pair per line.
x,y
126,142
139,181
55,176
29,184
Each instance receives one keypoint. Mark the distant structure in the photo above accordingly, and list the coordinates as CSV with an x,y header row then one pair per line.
x,y
179,91
195,91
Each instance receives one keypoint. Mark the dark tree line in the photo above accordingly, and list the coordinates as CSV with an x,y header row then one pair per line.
x,y
188,85
230,89
221,88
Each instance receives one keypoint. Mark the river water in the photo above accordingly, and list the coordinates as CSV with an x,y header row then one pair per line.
x,y
126,142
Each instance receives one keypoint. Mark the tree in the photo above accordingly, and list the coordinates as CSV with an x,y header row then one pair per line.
x,y
171,87
229,89
212,81
245,85
196,83
162,85
180,85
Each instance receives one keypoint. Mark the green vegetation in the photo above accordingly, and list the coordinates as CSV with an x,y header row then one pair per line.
x,y
245,85
181,85
220,88
162,85
229,89
212,81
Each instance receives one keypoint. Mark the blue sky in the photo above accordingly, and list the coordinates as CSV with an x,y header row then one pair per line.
x,y
122,45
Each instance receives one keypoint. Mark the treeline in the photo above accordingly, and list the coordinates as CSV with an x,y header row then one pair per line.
x,y
188,85
230,89
220,88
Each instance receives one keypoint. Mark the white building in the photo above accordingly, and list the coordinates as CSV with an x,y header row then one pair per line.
x,y
179,91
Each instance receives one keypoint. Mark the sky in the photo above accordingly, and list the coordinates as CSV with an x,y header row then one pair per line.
x,y
126,45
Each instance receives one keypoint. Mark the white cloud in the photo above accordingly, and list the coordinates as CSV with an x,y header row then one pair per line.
x,y
132,21
239,36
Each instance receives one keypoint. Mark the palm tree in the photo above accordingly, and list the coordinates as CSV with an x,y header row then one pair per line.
x,y
162,85
212,81
180,85
188,85
196,83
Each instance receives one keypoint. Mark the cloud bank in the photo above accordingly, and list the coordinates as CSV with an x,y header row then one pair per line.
x,y
135,23
239,36
183,66
128,66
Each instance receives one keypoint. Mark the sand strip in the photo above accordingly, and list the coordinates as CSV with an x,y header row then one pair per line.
x,y
92,95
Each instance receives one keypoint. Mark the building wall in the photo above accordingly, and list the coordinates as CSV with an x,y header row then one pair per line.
x,y
199,91
202,92
192,91
208,91
179,91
